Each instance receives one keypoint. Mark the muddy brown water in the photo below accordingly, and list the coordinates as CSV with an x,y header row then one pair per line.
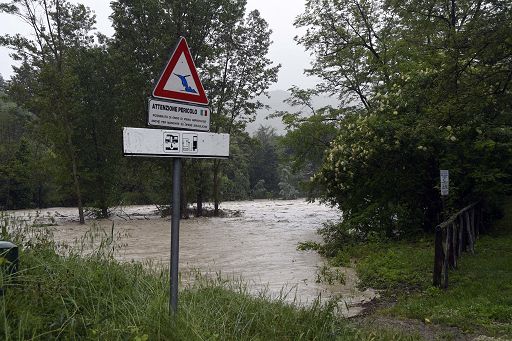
x,y
259,246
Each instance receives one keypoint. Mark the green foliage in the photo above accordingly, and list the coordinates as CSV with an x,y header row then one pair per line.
x,y
380,263
310,132
330,275
26,172
308,245
477,299
478,296
389,266
263,171
260,191
45,82
84,90
230,50
270,173
236,180
99,157
288,183
426,87
337,236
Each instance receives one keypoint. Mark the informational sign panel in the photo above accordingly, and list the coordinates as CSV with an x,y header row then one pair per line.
x,y
445,181
178,115
174,143
180,81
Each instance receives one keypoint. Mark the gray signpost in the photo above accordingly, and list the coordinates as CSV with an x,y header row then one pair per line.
x,y
179,102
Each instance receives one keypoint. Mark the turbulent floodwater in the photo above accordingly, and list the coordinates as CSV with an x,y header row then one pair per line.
x,y
259,245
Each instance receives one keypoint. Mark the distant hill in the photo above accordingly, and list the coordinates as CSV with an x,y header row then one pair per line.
x,y
276,103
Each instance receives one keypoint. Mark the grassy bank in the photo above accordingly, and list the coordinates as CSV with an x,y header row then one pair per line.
x,y
479,296
93,297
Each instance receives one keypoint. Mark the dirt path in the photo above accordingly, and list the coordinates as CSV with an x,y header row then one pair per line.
x,y
371,319
426,331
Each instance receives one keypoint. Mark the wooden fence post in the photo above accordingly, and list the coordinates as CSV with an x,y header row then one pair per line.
x,y
460,240
470,233
458,233
446,248
438,257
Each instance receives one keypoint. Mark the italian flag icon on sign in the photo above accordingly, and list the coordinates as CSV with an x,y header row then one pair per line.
x,y
179,81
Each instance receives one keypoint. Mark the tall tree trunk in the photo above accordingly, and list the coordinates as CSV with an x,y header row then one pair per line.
x,y
199,200
100,179
78,194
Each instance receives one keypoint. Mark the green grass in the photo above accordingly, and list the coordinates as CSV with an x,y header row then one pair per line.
x,y
391,266
479,296
93,297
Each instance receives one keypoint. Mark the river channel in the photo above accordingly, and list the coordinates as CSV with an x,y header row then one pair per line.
x,y
258,245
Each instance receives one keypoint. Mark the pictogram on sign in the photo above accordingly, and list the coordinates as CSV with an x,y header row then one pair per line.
x,y
179,80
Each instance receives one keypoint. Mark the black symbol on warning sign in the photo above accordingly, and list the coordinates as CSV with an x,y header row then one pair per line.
x,y
171,143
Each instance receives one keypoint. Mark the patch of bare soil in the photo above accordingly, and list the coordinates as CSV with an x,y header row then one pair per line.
x,y
371,319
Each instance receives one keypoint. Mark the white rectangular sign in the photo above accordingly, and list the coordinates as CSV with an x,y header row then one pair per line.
x,y
174,143
177,115
445,181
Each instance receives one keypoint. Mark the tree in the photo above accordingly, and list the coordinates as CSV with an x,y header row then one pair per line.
x,y
236,172
15,189
264,167
229,50
289,183
44,83
98,120
26,172
201,22
432,81
309,131
350,41
241,72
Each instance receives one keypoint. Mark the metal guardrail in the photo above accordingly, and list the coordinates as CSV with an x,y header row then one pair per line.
x,y
453,236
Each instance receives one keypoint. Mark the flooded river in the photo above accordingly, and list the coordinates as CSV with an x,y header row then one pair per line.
x,y
258,245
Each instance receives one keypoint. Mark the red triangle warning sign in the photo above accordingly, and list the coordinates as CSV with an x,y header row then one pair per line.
x,y
179,80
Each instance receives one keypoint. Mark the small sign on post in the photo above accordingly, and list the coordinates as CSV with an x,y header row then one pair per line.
x,y
445,181
178,115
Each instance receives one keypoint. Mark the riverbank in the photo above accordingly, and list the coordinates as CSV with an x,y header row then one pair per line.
x,y
258,245
477,302
95,297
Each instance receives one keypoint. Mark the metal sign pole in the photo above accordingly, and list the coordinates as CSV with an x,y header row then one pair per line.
x,y
175,234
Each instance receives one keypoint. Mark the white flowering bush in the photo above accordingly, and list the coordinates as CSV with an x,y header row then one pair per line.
x,y
382,169
431,87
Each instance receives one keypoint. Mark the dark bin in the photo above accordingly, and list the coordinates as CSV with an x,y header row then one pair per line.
x,y
8,262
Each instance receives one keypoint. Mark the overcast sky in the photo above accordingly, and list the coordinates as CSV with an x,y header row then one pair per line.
x,y
280,15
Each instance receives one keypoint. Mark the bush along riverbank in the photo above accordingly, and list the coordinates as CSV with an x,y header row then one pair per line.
x,y
91,296
477,301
